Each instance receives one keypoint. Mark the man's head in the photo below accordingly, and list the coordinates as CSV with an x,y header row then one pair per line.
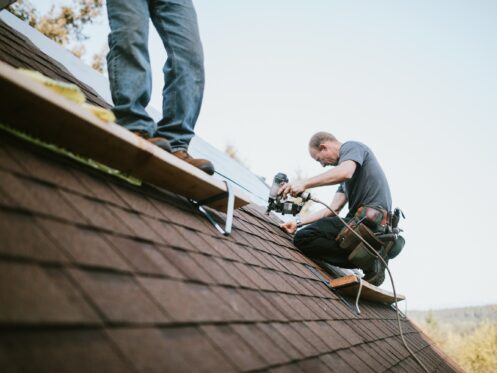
x,y
324,148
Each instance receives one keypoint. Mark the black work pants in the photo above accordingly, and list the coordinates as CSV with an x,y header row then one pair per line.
x,y
318,240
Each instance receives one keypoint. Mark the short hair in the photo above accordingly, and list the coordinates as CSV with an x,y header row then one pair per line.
x,y
320,137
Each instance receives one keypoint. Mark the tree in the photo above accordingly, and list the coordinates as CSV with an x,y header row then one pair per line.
x,y
232,152
64,24
474,348
478,352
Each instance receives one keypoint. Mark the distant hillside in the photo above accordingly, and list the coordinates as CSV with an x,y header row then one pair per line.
x,y
468,335
464,319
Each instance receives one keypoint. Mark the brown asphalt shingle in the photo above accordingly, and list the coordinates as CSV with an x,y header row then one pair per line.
x,y
60,350
237,350
188,302
31,294
181,349
256,338
36,245
145,258
83,246
118,297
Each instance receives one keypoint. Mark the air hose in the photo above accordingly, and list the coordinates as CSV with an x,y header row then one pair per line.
x,y
377,255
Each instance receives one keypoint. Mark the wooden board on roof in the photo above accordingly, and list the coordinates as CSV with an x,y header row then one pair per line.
x,y
30,107
349,285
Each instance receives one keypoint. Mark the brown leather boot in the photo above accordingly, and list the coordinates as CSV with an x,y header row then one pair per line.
x,y
161,142
202,164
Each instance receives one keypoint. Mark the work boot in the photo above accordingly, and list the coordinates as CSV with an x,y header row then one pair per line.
x,y
375,274
202,164
161,142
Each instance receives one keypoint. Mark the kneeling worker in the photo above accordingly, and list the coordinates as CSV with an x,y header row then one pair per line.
x,y
362,183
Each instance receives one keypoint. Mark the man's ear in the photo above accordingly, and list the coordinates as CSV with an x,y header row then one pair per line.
x,y
322,147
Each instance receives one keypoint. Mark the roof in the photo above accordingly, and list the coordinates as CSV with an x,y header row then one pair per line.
x,y
90,265
97,274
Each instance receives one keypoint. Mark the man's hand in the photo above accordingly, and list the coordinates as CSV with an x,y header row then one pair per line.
x,y
289,227
294,189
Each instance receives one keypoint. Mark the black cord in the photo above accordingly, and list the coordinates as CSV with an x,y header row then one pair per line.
x,y
375,253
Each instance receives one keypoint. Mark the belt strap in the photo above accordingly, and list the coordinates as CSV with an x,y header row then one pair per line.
x,y
373,215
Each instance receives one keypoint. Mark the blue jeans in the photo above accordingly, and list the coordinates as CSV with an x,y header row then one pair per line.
x,y
130,73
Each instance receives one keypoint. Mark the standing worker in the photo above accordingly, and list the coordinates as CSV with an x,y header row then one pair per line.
x,y
362,183
130,73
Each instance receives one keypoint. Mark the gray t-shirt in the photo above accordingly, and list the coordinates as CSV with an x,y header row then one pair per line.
x,y
368,186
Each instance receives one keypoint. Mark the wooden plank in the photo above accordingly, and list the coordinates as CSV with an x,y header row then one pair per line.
x,y
344,281
349,285
31,107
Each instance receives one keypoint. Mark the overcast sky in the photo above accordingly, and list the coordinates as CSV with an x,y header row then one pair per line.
x,y
416,81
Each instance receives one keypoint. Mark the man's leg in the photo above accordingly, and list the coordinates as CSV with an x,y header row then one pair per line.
x,y
319,240
129,64
176,23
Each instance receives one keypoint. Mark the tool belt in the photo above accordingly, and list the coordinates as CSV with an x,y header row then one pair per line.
x,y
366,222
374,217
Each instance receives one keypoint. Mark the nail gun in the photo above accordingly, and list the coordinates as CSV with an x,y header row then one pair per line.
x,y
284,205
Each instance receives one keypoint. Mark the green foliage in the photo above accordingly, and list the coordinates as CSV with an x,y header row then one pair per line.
x,y
468,336
478,351
65,24
430,320
25,11
232,152
62,24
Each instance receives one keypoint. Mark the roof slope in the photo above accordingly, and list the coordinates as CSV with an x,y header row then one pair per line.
x,y
97,274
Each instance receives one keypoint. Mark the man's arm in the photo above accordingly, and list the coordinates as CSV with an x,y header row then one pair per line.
x,y
339,200
343,172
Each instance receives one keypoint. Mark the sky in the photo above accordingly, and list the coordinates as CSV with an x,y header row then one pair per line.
x,y
415,81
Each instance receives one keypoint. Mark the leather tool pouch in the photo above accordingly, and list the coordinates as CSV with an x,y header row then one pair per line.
x,y
346,239
360,255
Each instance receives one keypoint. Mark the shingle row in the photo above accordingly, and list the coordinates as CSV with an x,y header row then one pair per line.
x,y
129,279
